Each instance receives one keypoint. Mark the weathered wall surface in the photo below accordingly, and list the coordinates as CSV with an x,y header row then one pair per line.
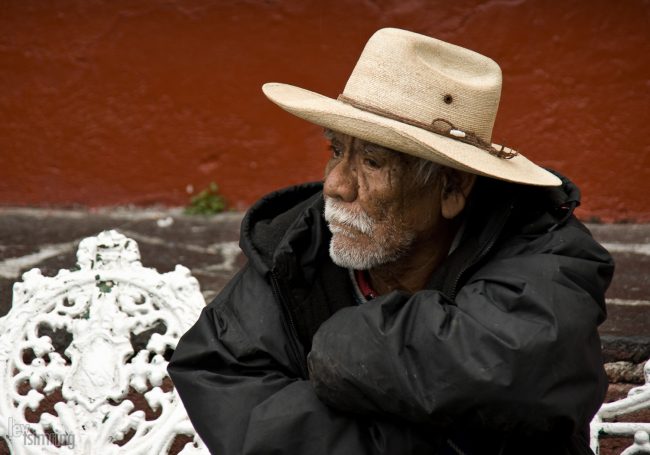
x,y
117,102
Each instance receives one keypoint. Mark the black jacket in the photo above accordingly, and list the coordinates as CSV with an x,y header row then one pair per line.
x,y
500,354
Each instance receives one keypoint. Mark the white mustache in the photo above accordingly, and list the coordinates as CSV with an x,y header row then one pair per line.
x,y
335,213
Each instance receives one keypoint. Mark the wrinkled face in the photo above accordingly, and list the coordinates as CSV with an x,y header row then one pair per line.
x,y
376,213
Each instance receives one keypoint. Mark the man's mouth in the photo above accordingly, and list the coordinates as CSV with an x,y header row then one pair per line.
x,y
346,222
343,229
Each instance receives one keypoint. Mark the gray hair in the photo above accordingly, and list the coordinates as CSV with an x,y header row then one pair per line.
x,y
427,172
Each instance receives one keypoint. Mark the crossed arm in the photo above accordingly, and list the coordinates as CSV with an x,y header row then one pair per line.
x,y
517,349
244,396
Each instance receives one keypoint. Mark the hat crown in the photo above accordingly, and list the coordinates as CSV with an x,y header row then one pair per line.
x,y
422,79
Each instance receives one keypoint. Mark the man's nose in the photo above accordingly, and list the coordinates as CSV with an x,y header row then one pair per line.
x,y
341,180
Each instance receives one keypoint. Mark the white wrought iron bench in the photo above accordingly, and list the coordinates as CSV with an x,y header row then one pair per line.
x,y
604,423
83,356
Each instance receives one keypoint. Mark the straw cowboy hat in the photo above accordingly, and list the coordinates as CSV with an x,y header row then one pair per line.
x,y
421,96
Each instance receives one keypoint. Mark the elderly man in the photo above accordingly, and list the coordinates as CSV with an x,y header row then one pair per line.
x,y
435,295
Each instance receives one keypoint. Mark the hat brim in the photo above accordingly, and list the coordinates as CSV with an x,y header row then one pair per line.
x,y
342,117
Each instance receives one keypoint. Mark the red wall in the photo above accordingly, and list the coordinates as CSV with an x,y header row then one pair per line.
x,y
119,102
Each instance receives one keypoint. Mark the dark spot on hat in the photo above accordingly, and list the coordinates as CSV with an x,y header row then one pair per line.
x,y
448,99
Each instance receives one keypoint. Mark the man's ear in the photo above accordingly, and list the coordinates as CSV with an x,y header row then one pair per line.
x,y
456,186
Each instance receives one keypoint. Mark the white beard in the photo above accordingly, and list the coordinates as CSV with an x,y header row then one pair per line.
x,y
345,252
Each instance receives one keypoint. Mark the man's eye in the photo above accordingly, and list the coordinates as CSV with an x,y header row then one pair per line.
x,y
337,150
371,163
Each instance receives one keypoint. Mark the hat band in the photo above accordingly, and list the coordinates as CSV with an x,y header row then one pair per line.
x,y
439,126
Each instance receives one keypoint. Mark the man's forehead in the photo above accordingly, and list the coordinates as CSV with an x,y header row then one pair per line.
x,y
332,135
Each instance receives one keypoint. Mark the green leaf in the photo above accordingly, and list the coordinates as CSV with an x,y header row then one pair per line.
x,y
207,202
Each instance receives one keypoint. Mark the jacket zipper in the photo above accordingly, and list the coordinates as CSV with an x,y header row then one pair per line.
x,y
291,325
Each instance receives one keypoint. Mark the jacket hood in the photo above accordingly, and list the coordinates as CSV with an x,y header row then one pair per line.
x,y
538,209
284,226
286,239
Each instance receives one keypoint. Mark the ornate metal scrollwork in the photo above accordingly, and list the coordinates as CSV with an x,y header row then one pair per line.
x,y
78,349
638,398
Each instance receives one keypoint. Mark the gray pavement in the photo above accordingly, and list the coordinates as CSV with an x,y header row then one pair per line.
x,y
208,246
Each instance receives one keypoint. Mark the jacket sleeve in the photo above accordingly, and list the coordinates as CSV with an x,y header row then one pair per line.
x,y
518,349
244,395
